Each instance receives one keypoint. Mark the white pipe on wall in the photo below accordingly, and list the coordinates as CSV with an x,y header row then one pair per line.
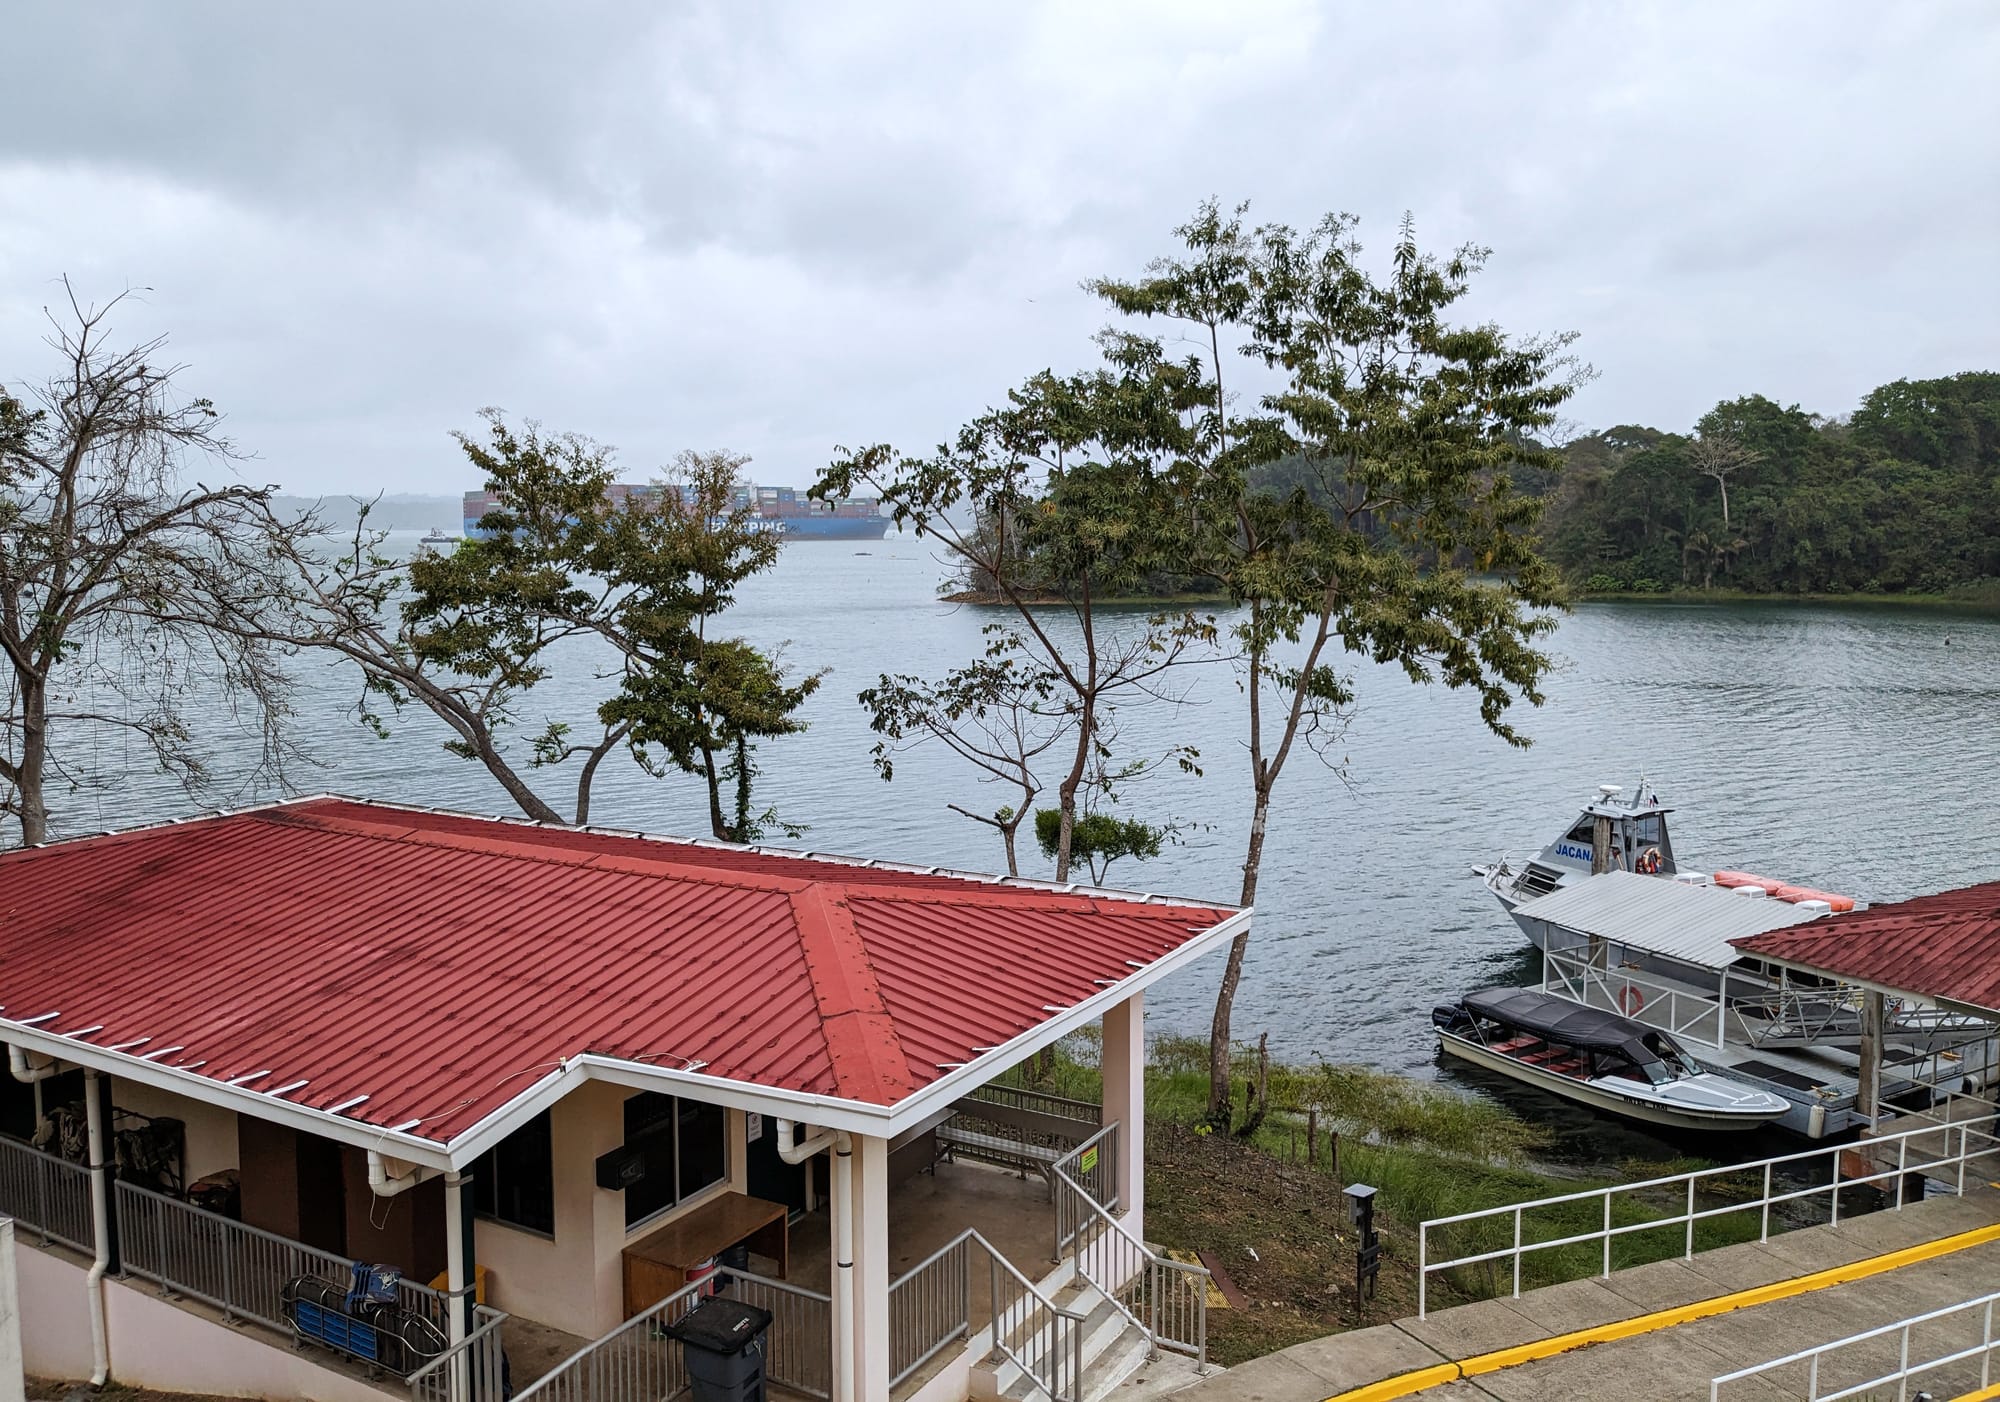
x,y
100,1225
17,1062
843,1241
385,1184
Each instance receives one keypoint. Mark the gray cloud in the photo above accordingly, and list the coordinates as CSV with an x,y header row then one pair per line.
x,y
786,227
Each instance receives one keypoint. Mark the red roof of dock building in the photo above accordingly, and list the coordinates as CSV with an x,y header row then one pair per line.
x,y
415,970
1945,947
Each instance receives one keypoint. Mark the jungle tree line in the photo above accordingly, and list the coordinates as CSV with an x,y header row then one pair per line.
x,y
1900,496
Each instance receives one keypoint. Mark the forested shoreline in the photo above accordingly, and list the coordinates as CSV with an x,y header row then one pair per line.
x,y
1900,497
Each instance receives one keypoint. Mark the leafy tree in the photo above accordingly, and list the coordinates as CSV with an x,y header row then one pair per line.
x,y
470,634
1099,839
111,567
1059,502
1412,546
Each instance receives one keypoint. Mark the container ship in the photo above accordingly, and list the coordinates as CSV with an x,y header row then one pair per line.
x,y
786,510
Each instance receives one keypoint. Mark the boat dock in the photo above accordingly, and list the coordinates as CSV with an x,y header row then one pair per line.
x,y
1670,1329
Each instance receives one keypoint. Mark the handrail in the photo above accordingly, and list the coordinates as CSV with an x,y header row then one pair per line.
x,y
930,1308
1985,1351
1983,1128
1166,1299
639,1359
235,1267
46,1192
473,1368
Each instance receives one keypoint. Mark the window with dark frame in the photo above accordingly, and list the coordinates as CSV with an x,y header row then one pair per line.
x,y
682,1143
514,1182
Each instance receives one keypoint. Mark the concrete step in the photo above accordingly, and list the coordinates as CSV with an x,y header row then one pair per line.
x,y
1160,1376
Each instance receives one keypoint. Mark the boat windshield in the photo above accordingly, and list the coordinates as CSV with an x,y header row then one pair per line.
x,y
1674,1061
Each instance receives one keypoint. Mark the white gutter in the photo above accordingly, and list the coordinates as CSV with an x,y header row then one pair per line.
x,y
842,1187
100,1226
246,1100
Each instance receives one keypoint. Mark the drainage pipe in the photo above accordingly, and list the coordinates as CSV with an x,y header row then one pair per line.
x,y
17,1062
100,1226
385,1184
843,1241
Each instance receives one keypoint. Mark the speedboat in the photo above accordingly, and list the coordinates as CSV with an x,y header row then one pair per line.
x,y
1598,1059
1618,834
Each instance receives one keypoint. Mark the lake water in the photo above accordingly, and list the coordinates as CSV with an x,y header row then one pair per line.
x,y
1849,748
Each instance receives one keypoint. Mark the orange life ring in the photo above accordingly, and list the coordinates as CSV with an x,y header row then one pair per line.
x,y
1631,1000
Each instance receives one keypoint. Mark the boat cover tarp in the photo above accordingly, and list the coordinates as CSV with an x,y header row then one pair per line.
x,y
1560,1020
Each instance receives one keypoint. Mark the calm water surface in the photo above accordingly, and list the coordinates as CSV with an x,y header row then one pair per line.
x,y
1846,748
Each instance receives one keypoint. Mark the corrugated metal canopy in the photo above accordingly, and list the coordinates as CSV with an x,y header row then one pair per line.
x,y
1943,947
1652,913
416,971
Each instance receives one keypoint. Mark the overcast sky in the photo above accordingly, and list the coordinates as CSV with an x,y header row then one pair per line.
x,y
783,228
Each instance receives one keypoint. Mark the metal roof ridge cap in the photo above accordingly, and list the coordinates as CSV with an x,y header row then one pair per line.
x,y
823,919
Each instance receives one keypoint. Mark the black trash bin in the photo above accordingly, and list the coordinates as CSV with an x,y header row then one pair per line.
x,y
723,1342
732,1258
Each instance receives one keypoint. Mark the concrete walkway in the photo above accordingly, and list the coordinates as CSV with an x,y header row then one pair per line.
x,y
1678,1360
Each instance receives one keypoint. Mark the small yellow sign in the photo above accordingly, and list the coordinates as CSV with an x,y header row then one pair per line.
x,y
1089,1159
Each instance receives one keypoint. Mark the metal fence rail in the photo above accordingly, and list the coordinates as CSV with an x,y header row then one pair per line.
x,y
930,1308
238,1269
639,1362
1165,1298
1979,1312
49,1194
1939,1152
1041,1102
472,1370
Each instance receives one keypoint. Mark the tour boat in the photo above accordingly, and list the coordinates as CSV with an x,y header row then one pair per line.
x,y
1598,1059
1638,842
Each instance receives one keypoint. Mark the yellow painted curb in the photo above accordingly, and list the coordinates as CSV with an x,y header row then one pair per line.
x,y
1985,1394
1409,1384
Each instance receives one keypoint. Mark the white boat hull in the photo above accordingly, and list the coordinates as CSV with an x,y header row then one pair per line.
x,y
1600,1096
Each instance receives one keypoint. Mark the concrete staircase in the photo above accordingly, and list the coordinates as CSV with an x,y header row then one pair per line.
x,y
1115,1365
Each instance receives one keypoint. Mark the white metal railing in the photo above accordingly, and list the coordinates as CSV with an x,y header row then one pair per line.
x,y
639,1361
472,1370
241,1270
930,1307
1652,1001
1092,1169
49,1194
1957,1149
1979,1311
1165,1298
1040,1101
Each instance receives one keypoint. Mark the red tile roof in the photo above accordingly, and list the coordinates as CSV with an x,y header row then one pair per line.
x,y
439,965
1945,946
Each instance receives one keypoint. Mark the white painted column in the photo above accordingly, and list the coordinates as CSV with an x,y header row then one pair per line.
x,y
13,1385
870,1204
1124,1064
458,1276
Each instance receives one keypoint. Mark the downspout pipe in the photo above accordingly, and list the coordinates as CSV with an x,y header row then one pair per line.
x,y
17,1062
843,1240
386,1184
100,1227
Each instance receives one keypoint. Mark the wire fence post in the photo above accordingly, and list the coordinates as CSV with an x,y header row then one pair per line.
x,y
1764,1229
1690,1226
1607,1233
1517,1253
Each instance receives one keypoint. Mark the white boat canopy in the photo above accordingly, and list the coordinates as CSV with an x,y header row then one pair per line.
x,y
1693,924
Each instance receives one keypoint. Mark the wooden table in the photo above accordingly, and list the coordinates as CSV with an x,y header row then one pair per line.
x,y
658,1265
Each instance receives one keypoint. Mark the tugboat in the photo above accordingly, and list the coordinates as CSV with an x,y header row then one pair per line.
x,y
1599,1059
437,535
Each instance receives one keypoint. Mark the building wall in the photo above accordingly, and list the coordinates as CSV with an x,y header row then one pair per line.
x,y
161,1346
211,1130
55,1314
574,1281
